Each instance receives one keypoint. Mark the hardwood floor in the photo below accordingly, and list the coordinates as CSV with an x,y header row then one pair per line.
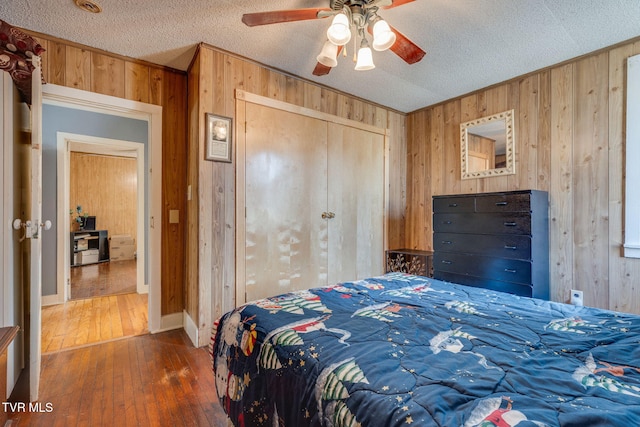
x,y
149,380
107,278
89,321
101,367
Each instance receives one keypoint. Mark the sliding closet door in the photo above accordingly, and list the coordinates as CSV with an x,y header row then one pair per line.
x,y
356,197
285,196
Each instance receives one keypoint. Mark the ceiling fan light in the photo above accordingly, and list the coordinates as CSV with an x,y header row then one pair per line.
x,y
328,54
339,33
383,37
365,59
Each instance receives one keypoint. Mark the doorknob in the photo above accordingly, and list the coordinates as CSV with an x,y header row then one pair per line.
x,y
18,224
30,229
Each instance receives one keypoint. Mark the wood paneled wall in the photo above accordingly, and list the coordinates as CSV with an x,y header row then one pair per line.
x,y
73,65
570,142
213,78
105,187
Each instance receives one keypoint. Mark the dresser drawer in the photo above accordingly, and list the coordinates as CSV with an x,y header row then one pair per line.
x,y
504,203
483,223
498,245
495,285
504,270
454,204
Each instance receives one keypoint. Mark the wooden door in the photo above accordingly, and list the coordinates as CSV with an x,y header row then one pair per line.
x,y
356,197
285,196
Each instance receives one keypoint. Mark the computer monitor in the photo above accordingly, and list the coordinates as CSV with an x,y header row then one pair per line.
x,y
89,223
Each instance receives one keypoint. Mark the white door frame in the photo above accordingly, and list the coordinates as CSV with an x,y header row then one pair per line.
x,y
152,114
66,143
35,223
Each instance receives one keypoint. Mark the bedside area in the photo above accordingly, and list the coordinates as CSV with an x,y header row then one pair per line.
x,y
411,261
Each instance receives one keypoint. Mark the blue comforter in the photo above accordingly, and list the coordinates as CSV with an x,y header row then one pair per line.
x,y
400,350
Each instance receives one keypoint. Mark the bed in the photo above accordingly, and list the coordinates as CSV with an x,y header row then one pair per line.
x,y
402,350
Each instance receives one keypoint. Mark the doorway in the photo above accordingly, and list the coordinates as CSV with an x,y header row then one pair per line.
x,y
102,215
103,188
147,155
100,209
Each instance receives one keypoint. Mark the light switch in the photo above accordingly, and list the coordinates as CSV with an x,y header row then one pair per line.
x,y
174,216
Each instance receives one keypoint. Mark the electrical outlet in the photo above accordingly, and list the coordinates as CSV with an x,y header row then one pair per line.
x,y
577,297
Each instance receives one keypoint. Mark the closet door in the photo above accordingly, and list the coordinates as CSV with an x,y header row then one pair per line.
x,y
285,196
356,196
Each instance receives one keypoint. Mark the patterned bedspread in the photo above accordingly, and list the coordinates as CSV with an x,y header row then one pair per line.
x,y
400,350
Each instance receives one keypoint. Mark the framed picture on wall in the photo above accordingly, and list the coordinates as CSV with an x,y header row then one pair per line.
x,y
218,138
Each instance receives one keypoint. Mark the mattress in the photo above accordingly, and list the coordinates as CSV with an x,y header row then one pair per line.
x,y
401,350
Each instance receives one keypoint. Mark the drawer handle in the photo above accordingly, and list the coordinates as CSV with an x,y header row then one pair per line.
x,y
447,242
509,270
510,224
501,203
444,261
510,247
446,222
453,205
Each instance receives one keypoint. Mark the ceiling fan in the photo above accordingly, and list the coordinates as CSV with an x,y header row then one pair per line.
x,y
349,16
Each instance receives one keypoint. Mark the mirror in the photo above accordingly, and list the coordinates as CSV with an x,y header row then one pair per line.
x,y
487,146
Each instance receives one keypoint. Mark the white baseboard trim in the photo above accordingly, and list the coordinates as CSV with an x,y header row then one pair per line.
x,y
170,322
631,251
54,299
191,328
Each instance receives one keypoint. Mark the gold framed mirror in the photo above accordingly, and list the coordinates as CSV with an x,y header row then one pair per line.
x,y
487,146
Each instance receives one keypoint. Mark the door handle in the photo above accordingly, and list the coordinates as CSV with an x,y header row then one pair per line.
x,y
328,215
31,229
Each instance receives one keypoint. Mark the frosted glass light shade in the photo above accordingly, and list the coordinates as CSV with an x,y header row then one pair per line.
x,y
365,59
383,37
328,54
339,32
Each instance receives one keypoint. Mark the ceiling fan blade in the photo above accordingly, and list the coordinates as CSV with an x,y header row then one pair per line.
x,y
406,49
277,16
396,3
323,70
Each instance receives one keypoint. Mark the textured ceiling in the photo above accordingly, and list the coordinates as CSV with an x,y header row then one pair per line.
x,y
470,44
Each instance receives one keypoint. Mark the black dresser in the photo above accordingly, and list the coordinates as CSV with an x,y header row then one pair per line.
x,y
497,241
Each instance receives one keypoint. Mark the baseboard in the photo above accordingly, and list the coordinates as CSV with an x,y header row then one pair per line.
x,y
170,322
54,299
191,328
